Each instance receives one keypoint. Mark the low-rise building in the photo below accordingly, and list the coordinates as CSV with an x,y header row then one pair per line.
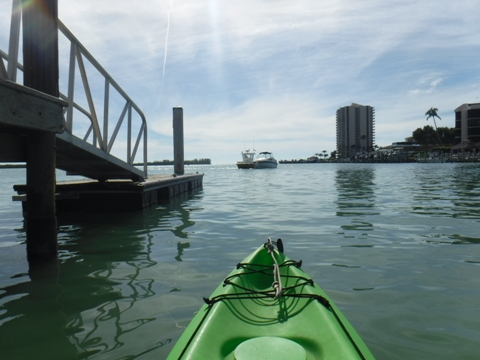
x,y
467,124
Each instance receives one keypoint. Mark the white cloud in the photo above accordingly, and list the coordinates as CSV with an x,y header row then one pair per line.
x,y
427,84
281,125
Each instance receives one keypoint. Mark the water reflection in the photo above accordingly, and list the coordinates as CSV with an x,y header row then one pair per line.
x,y
94,298
448,191
180,247
431,193
461,239
355,189
175,209
356,197
32,317
465,182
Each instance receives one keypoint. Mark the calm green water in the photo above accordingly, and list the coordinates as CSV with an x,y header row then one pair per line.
x,y
395,246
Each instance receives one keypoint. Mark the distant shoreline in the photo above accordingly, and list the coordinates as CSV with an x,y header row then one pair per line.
x,y
171,162
13,166
302,161
153,163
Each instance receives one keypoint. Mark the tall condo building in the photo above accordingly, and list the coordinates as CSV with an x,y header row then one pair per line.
x,y
355,129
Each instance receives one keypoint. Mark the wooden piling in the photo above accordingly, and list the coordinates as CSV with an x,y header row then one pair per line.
x,y
178,151
40,58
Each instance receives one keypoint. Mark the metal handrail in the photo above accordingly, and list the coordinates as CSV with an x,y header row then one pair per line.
x,y
78,53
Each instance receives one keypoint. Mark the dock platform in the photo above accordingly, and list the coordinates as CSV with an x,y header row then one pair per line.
x,y
116,195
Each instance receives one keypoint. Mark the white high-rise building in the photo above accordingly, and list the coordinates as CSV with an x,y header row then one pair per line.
x,y
355,130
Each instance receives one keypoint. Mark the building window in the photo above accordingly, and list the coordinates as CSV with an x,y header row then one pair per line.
x,y
473,113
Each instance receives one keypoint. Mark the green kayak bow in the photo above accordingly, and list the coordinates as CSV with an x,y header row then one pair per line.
x,y
269,308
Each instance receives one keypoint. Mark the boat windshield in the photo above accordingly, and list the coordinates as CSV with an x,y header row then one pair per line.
x,y
265,154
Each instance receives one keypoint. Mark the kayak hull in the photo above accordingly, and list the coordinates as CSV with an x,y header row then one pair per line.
x,y
245,308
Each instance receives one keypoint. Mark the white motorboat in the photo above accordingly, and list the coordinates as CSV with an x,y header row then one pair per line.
x,y
265,160
247,159
431,158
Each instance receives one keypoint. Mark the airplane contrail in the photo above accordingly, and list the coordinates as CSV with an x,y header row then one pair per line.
x,y
166,48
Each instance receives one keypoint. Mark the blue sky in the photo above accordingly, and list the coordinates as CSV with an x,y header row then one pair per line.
x,y
271,74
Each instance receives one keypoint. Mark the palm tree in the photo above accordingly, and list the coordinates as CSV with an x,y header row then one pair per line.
x,y
432,113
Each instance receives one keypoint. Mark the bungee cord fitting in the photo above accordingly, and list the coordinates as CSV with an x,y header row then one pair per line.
x,y
278,288
277,280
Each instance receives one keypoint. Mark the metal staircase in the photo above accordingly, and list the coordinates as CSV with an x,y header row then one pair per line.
x,y
98,147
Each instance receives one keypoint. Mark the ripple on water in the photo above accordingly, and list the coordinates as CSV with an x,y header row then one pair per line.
x,y
376,237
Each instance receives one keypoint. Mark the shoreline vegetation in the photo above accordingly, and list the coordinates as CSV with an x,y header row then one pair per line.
x,y
398,155
13,166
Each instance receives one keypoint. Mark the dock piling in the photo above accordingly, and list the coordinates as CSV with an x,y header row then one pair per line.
x,y
40,219
178,152
40,58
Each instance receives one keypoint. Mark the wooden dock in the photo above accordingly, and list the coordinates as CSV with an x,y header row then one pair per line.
x,y
36,128
116,195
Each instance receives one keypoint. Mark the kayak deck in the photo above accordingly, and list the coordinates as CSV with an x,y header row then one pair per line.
x,y
245,308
